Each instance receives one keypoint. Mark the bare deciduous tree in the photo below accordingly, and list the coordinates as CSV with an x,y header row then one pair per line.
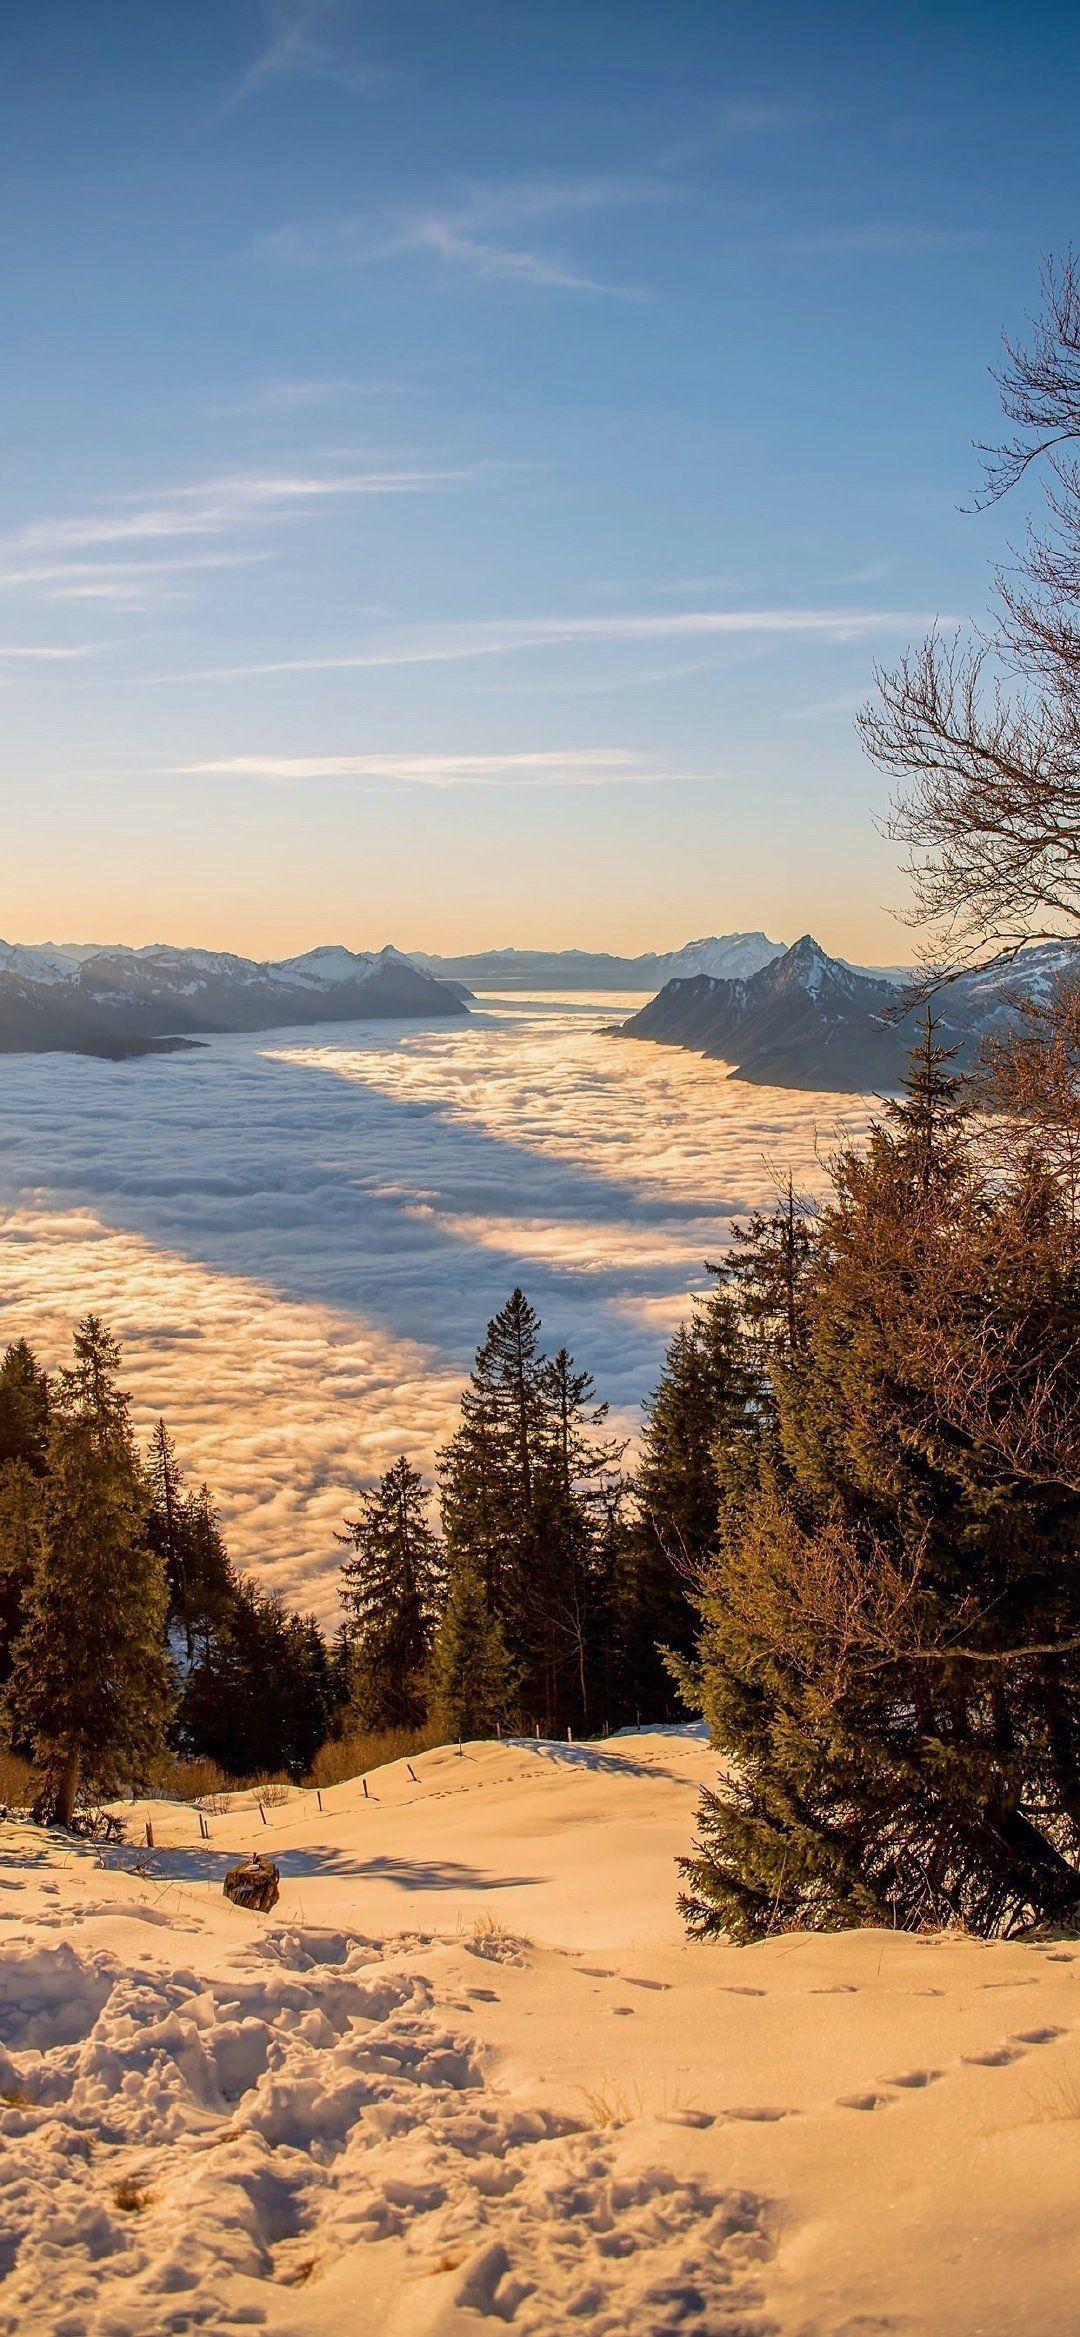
x,y
983,737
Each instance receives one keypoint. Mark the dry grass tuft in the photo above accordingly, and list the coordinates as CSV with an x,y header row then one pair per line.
x,y
610,2105
273,1792
361,1750
1060,2105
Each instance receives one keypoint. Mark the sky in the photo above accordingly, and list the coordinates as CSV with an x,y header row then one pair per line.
x,y
461,462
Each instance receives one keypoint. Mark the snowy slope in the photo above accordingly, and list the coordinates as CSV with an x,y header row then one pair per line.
x,y
725,954
115,997
809,1020
469,2077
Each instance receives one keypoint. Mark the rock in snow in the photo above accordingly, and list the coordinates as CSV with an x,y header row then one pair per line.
x,y
256,1884
469,2077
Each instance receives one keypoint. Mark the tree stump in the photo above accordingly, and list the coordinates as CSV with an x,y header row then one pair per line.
x,y
255,1884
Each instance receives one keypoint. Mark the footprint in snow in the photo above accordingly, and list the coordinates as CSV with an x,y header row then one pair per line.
x,y
1000,2056
761,2114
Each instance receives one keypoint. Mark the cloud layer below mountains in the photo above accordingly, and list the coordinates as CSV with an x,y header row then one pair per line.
x,y
299,1243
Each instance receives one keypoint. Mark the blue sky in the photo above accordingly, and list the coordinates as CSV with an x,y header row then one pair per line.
x,y
461,462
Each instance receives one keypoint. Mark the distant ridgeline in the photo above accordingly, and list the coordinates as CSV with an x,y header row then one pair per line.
x,y
124,1001
723,954
809,1020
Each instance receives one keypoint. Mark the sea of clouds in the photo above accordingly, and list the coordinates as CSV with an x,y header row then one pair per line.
x,y
299,1236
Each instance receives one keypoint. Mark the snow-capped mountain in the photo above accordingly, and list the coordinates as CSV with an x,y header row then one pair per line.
x,y
118,999
722,955
810,1020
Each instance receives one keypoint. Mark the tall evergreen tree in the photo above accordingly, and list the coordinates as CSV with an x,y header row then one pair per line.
x,y
769,1270
390,1590
24,1407
928,1118
568,1621
21,1519
24,1427
700,1410
527,1483
471,1674
91,1684
167,1524
258,1697
891,1626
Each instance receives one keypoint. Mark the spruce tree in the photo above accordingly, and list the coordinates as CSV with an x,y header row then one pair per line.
x,y
21,1518
700,1410
24,1407
91,1685
390,1591
24,1425
471,1673
527,1486
167,1525
578,1494
891,1626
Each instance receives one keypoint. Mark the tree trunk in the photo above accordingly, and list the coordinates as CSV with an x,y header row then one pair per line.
x,y
66,1790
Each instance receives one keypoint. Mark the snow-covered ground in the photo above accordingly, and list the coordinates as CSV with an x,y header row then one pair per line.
x,y
470,2077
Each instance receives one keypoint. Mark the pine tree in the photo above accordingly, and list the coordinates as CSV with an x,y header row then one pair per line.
x,y
24,1407
527,1484
891,1624
24,1425
167,1525
390,1590
471,1673
91,1685
21,1520
928,1118
769,1271
700,1410
577,1488
185,1530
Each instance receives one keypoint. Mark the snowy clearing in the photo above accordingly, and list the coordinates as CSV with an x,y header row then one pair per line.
x,y
469,2076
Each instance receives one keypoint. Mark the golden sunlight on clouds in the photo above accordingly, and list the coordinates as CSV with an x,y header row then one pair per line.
x,y
283,1408
299,1244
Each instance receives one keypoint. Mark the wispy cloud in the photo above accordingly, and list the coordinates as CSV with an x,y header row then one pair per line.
x,y
48,652
479,234
122,584
563,766
305,41
211,507
301,397
502,637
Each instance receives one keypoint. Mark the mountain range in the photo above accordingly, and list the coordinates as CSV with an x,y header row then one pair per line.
x,y
809,1020
724,956
117,1001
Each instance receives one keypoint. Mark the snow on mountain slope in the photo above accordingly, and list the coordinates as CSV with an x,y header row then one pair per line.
x,y
470,2076
725,957
333,964
810,1020
114,999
